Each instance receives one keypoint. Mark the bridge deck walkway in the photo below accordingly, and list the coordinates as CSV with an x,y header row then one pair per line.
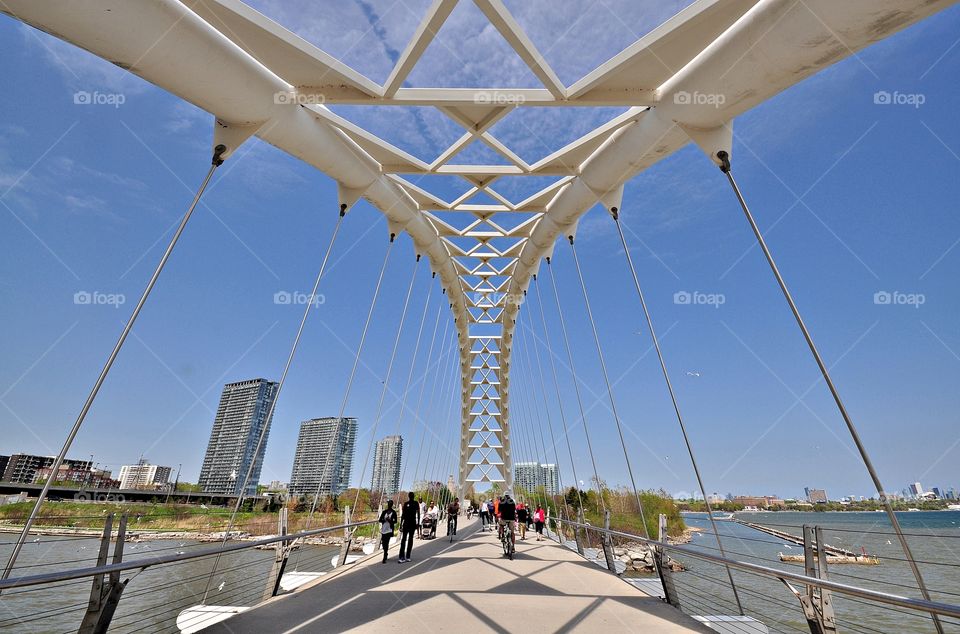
x,y
467,586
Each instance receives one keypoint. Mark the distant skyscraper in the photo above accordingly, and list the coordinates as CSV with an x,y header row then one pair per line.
x,y
916,489
241,418
531,475
386,465
525,475
324,456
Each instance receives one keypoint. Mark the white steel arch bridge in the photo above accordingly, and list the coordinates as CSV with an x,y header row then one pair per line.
x,y
684,81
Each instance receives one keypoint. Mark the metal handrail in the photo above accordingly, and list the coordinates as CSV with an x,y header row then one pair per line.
x,y
931,607
140,564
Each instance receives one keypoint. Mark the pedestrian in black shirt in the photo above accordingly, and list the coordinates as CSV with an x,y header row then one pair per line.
x,y
388,522
409,522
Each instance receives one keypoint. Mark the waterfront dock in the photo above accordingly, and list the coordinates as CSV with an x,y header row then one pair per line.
x,y
834,555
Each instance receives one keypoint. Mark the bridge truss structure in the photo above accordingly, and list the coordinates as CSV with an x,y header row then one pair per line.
x,y
258,78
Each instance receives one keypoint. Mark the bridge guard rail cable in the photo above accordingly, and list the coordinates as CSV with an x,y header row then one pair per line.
x,y
346,393
216,162
615,212
386,380
276,397
864,456
576,386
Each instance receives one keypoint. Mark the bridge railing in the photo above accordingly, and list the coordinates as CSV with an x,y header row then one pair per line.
x,y
808,598
165,585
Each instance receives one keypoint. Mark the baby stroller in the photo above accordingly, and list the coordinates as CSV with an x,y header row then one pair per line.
x,y
428,528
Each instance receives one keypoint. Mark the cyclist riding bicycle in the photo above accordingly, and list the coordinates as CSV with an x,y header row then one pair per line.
x,y
508,515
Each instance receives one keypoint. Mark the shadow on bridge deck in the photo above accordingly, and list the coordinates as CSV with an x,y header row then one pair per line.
x,y
467,586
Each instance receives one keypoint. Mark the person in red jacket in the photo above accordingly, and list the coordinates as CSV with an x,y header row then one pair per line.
x,y
539,519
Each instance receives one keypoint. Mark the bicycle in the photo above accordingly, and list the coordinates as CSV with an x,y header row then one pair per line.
x,y
451,526
508,539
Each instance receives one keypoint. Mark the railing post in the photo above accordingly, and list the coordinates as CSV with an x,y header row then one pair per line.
x,y
577,535
660,560
104,597
347,537
608,544
280,561
816,602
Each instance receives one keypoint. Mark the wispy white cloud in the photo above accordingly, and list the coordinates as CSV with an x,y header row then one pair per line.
x,y
80,69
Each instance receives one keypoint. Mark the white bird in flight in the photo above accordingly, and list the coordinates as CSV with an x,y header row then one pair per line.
x,y
693,374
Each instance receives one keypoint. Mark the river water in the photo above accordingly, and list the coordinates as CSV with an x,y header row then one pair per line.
x,y
934,539
152,599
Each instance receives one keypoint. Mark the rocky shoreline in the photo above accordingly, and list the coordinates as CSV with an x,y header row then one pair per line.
x,y
639,557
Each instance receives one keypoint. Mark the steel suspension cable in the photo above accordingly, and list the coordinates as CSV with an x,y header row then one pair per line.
x,y
353,373
423,384
536,410
556,383
673,399
386,380
531,439
606,380
854,434
276,396
432,410
454,397
445,345
216,162
576,386
406,388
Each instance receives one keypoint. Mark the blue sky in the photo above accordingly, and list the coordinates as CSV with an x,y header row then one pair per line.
x,y
856,198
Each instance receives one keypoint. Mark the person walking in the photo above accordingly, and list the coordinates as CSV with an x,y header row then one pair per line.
x,y
423,514
523,516
539,518
409,524
388,522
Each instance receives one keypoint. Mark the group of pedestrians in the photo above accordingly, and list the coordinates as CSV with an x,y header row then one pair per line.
x,y
410,522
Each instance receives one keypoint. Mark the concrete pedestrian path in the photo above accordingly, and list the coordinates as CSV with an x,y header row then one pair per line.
x,y
467,586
